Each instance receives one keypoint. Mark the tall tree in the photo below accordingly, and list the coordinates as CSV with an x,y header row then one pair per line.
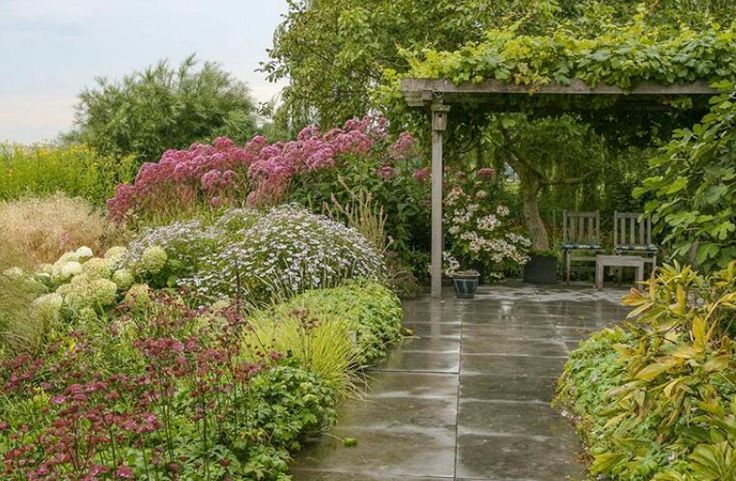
x,y
161,108
333,52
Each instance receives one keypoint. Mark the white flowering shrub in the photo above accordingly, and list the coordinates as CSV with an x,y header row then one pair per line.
x,y
481,233
284,251
81,283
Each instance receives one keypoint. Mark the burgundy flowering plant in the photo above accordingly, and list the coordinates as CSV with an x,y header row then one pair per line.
x,y
160,393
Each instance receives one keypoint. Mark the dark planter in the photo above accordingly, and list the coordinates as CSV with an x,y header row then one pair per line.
x,y
466,285
541,270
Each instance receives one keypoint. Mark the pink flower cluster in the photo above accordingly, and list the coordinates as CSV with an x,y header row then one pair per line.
x,y
218,173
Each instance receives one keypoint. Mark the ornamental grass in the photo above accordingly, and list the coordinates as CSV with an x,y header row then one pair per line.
x,y
40,230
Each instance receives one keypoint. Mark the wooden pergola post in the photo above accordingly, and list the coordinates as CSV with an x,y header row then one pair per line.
x,y
439,125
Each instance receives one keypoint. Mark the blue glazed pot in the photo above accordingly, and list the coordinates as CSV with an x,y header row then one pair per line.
x,y
466,285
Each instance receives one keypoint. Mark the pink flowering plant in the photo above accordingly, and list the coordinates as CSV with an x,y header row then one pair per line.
x,y
392,169
481,231
259,173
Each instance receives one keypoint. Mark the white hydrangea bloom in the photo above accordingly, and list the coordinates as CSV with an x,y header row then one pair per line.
x,y
117,257
96,267
48,306
123,278
83,252
14,273
138,295
153,260
69,269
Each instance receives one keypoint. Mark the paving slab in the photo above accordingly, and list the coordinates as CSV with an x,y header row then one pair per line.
x,y
467,397
474,345
518,458
415,385
493,387
383,453
304,475
513,365
401,414
522,418
400,360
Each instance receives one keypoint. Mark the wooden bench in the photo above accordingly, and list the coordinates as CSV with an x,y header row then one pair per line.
x,y
603,261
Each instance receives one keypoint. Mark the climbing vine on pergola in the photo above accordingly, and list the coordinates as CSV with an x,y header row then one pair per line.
x,y
632,71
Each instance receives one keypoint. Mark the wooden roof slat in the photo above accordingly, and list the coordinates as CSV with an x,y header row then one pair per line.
x,y
421,92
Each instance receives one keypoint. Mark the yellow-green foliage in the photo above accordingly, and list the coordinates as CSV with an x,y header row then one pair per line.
x,y
42,229
330,331
623,55
320,344
76,170
656,399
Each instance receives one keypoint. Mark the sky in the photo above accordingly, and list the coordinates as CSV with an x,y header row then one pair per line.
x,y
50,50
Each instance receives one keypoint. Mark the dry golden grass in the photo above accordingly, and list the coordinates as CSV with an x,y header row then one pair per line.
x,y
39,230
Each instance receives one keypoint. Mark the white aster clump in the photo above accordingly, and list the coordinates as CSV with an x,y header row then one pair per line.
x,y
184,243
287,250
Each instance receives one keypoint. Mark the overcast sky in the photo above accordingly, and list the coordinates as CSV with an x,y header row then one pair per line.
x,y
51,49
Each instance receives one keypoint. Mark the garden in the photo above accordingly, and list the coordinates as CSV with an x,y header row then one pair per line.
x,y
190,292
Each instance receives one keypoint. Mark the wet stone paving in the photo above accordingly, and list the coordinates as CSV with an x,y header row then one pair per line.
x,y
467,398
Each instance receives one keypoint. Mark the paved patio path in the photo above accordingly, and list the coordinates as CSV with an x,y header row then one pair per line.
x,y
468,397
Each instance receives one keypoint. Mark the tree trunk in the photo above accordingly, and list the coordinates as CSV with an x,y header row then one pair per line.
x,y
530,186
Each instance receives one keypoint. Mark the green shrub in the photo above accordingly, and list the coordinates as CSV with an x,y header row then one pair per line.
x,y
76,170
655,398
163,107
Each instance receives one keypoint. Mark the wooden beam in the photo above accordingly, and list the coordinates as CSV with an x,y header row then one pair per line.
x,y
417,90
439,125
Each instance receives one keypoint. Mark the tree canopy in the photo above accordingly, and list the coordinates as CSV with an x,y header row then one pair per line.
x,y
335,52
161,108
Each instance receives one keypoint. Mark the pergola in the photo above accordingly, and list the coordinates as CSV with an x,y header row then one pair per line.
x,y
438,95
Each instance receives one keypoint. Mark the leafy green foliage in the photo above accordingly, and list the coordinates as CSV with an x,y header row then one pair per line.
x,y
692,184
403,199
163,108
655,397
335,51
623,56
76,170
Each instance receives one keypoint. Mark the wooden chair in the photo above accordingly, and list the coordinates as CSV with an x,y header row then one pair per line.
x,y
632,235
580,233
